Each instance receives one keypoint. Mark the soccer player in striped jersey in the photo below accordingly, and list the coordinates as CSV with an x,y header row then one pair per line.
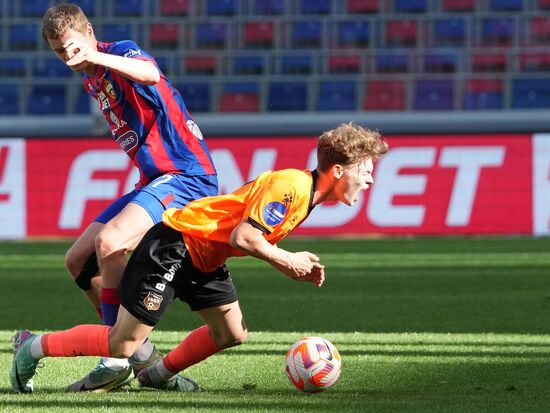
x,y
148,119
184,257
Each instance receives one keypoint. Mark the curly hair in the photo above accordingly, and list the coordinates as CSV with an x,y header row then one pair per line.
x,y
58,19
348,144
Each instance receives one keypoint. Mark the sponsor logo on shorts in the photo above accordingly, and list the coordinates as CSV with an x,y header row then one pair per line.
x,y
152,301
274,213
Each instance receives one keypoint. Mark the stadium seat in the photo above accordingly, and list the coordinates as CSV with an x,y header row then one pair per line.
x,y
12,66
440,62
196,96
239,97
458,5
211,36
200,65
269,7
83,103
497,31
410,6
50,67
9,99
392,63
363,6
259,35
539,31
343,64
535,62
287,96
353,34
336,96
117,31
307,34
164,36
489,63
506,5
23,37
87,6
315,6
449,32
384,95
530,93
174,7
483,94
543,4
297,64
33,8
248,65
433,95
129,8
46,100
221,8
401,33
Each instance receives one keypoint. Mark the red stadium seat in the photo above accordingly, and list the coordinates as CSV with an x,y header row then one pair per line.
x,y
239,102
174,7
200,65
363,6
458,5
164,36
544,4
259,35
344,64
539,31
401,33
535,62
385,95
489,63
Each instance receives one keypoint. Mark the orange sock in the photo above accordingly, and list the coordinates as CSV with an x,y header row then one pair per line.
x,y
82,340
197,346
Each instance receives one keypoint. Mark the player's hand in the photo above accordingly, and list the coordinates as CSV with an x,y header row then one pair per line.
x,y
306,267
80,55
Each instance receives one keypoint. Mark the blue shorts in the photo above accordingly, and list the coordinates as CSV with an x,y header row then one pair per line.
x,y
167,191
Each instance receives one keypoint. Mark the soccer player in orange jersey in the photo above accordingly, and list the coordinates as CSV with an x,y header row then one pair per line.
x,y
184,256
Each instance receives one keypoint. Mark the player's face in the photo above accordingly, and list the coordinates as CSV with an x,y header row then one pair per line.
x,y
62,45
355,178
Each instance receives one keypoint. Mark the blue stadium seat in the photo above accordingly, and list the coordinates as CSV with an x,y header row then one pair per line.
x,y
530,93
316,6
87,6
196,96
12,66
506,5
336,96
483,94
47,100
354,33
23,37
248,65
497,31
306,34
129,8
9,99
392,63
211,35
221,8
433,95
117,31
83,103
50,67
287,96
269,7
297,65
440,62
449,32
410,6
34,8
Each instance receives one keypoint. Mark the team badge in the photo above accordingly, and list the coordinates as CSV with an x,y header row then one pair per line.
x,y
110,89
274,213
152,301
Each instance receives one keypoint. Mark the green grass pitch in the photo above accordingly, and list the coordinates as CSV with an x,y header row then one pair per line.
x,y
423,325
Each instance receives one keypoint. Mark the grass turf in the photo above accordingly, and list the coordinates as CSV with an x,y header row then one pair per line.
x,y
423,325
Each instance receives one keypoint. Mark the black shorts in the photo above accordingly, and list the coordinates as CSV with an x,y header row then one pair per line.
x,y
160,270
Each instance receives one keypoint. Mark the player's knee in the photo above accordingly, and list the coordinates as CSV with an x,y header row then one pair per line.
x,y
231,338
122,349
72,263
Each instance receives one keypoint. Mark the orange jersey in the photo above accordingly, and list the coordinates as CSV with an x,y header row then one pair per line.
x,y
276,202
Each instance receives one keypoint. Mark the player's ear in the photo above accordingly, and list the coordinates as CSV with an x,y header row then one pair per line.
x,y
89,30
337,171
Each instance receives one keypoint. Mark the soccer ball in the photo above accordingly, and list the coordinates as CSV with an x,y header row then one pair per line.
x,y
313,364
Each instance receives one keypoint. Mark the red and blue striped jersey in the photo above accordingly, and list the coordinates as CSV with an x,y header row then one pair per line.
x,y
150,123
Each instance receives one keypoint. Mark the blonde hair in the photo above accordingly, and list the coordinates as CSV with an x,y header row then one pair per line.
x,y
58,19
348,144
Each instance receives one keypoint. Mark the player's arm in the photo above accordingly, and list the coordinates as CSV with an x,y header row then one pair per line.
x,y
300,266
136,70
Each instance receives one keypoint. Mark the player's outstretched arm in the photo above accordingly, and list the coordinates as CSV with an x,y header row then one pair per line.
x,y
300,266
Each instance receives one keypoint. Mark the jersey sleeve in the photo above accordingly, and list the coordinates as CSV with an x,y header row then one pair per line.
x,y
269,206
130,49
